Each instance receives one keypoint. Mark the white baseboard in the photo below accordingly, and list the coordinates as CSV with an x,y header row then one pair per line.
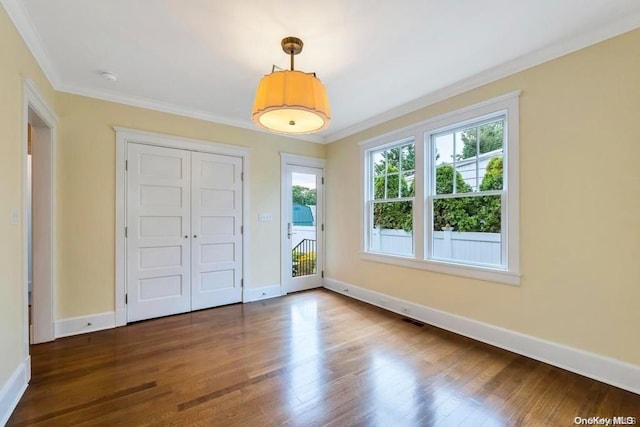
x,y
263,292
111,319
602,368
84,324
13,389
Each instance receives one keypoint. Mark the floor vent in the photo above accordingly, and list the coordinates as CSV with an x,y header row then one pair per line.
x,y
413,321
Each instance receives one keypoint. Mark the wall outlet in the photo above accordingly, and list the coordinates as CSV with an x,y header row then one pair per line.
x,y
264,216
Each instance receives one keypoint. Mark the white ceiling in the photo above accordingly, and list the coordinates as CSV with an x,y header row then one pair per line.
x,y
204,58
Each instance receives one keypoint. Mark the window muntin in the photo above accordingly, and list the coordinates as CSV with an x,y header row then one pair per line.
x,y
391,204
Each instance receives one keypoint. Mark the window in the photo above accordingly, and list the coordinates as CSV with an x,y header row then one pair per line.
x,y
467,194
443,195
392,183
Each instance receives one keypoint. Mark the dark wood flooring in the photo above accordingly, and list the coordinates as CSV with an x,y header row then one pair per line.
x,y
309,359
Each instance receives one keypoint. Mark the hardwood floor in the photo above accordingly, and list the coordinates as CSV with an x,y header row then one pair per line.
x,y
308,359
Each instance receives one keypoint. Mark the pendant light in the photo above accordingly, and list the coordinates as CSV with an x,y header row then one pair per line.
x,y
291,101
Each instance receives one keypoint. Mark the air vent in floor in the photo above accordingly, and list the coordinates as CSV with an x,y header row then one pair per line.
x,y
413,321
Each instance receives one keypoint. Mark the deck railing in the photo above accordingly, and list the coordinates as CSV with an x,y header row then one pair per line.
x,y
303,258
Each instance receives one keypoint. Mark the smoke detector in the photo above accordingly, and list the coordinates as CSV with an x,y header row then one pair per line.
x,y
108,75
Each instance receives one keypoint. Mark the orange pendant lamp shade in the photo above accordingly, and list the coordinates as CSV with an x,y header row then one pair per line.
x,y
291,101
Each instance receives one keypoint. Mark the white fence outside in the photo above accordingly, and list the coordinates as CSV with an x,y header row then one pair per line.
x,y
398,242
482,248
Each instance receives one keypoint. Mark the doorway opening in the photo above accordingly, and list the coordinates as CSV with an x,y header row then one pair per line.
x,y
38,217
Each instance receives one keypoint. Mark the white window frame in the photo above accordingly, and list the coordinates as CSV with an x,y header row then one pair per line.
x,y
507,105
369,183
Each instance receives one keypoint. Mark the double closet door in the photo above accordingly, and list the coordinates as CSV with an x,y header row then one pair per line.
x,y
184,231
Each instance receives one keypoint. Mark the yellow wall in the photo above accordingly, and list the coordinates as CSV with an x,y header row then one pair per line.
x,y
579,207
16,62
86,194
580,235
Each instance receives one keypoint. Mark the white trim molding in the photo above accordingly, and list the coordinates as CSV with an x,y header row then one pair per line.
x,y
601,368
38,103
45,307
179,110
505,107
546,54
294,159
442,120
16,11
21,19
125,136
442,267
288,161
13,389
263,292
84,324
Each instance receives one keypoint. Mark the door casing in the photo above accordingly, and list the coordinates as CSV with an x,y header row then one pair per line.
x,y
285,254
44,307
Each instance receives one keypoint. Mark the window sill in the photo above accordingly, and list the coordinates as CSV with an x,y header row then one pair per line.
x,y
473,272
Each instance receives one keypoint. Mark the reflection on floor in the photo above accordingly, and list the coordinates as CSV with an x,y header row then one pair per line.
x,y
311,358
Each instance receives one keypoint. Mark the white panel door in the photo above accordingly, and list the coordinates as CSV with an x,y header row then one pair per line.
x,y
158,231
216,212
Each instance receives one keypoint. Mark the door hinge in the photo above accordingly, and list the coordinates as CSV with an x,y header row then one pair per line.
x,y
126,165
126,232
241,283
242,229
322,228
241,176
126,298
323,180
322,274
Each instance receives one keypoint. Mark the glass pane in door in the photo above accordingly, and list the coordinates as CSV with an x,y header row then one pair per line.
x,y
303,228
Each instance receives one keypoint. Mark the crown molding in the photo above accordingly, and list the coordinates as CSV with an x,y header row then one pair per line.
x,y
17,13
178,110
556,50
23,23
26,29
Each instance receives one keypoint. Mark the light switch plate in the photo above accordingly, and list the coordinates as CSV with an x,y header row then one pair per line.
x,y
264,216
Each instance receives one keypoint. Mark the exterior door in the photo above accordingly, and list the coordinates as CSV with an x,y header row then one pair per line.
x,y
303,228
216,230
158,231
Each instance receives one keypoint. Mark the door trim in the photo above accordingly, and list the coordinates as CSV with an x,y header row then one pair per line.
x,y
32,99
126,135
296,160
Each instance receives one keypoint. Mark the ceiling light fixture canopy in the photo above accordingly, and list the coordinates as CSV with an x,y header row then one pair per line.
x,y
291,101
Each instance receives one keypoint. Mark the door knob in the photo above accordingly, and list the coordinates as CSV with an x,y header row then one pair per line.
x,y
289,233
194,236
